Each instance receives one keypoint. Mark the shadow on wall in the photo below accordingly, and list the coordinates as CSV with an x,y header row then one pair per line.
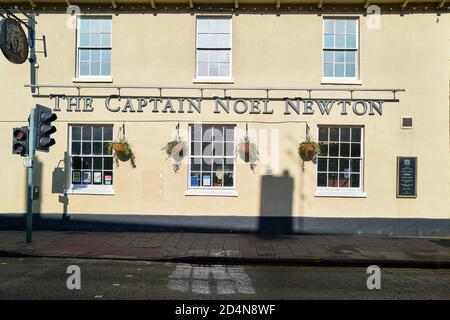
x,y
276,204
59,184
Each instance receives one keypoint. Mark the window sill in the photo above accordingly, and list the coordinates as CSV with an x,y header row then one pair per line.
x,y
340,194
211,192
212,80
92,190
340,81
93,79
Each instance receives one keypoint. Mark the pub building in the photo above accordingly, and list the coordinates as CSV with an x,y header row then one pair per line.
x,y
214,99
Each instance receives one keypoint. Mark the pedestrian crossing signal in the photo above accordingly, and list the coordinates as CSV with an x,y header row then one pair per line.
x,y
20,141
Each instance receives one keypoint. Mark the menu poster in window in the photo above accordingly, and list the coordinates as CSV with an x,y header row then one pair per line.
x,y
97,177
206,180
76,177
108,179
406,177
86,177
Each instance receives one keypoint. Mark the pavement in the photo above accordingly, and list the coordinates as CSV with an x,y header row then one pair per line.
x,y
327,250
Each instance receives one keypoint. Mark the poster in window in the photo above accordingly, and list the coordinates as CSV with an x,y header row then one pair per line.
x,y
108,179
206,180
76,177
87,179
194,181
97,178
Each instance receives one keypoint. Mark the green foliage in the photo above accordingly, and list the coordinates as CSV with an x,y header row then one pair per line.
x,y
126,154
168,147
304,149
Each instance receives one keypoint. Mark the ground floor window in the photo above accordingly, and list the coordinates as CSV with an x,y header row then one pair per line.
x,y
90,161
212,163
340,164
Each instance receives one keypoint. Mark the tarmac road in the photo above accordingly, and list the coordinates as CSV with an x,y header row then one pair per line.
x,y
45,278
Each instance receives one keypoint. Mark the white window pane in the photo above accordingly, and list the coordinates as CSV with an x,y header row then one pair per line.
x,y
340,41
214,41
339,56
202,56
213,69
106,55
84,25
328,26
328,56
95,40
202,25
215,25
202,41
95,26
84,39
224,69
339,70
95,69
351,26
350,70
350,56
95,55
328,70
213,56
350,41
225,41
225,26
225,56
84,55
340,26
106,40
106,68
328,41
106,25
202,69
84,69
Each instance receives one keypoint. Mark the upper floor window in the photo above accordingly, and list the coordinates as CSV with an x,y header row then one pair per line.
x,y
94,45
213,58
340,48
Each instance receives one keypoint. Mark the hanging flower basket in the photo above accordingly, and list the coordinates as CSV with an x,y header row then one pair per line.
x,y
122,151
175,149
308,149
248,151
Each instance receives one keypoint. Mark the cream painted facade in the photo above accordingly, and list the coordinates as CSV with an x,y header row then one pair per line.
x,y
410,51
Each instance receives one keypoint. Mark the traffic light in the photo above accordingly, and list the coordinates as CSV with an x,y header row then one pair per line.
x,y
44,118
20,141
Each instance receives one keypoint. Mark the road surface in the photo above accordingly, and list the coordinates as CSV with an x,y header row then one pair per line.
x,y
45,278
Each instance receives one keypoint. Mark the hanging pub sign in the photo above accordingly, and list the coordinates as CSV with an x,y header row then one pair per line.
x,y
13,41
406,177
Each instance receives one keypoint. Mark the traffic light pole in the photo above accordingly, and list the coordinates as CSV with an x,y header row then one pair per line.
x,y
31,140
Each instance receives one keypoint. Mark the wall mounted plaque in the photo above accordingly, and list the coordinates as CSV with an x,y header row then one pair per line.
x,y
406,177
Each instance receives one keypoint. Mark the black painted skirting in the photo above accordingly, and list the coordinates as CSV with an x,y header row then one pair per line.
x,y
231,224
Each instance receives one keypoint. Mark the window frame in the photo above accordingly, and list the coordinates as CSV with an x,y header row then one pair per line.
x,y
357,192
214,79
91,78
211,191
96,189
342,80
